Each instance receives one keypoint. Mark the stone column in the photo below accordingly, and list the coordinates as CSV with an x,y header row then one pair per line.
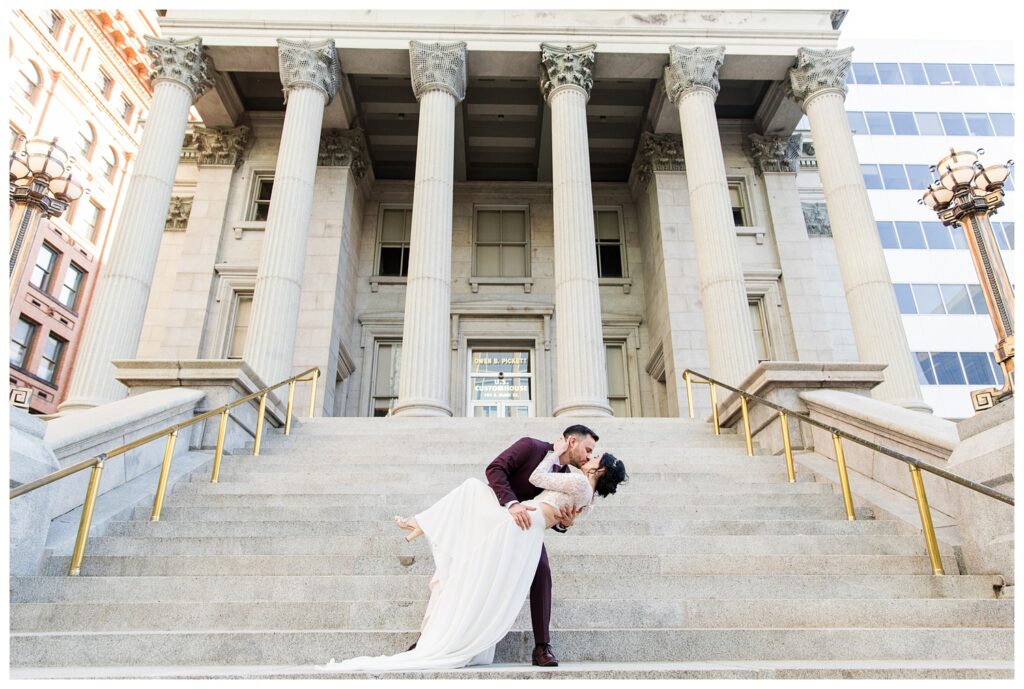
x,y
582,386
309,74
776,159
818,82
691,82
439,83
179,76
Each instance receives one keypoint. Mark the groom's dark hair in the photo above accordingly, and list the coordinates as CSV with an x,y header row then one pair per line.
x,y
580,431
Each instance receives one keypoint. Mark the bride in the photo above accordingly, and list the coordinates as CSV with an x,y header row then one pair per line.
x,y
485,562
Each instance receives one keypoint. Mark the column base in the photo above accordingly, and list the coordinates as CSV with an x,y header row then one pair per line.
x,y
583,408
421,408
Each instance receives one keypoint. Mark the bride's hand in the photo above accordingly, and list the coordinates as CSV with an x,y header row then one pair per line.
x,y
561,445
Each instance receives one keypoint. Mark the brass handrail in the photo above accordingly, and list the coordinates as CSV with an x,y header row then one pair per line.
x,y
97,462
915,465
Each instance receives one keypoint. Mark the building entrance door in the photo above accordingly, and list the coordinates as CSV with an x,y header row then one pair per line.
x,y
500,382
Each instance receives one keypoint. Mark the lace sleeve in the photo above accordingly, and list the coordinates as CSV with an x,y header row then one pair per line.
x,y
573,485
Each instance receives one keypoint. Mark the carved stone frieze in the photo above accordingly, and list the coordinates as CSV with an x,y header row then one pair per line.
x,y
216,145
308,63
774,153
817,71
816,219
438,66
179,61
343,148
658,153
690,68
566,65
178,212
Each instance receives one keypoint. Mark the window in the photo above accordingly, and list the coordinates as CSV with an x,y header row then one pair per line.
x,y
925,370
894,176
929,124
978,124
872,180
29,80
91,217
887,233
962,75
889,73
610,253
126,109
957,299
937,74
386,370
903,123
72,286
996,368
928,299
760,327
913,73
618,387
947,368
986,75
937,235
42,273
1010,230
1005,73
240,325
103,82
997,230
49,364
953,123
1002,122
977,368
108,163
21,341
263,186
395,229
959,240
738,199
920,176
878,122
501,248
865,73
52,21
978,299
86,139
910,235
858,125
905,298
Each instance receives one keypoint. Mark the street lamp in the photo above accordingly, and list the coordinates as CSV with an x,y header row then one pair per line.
x,y
43,182
966,194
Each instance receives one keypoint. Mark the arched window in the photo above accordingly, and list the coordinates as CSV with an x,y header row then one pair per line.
x,y
86,140
108,164
29,80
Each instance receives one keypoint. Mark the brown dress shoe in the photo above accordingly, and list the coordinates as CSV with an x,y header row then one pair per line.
x,y
544,657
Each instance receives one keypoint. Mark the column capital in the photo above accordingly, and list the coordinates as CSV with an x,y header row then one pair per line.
x,y
566,66
217,145
658,153
343,148
691,68
179,61
438,67
818,71
774,153
308,63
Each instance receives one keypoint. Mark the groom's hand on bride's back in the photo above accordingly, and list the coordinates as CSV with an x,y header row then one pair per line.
x,y
565,517
519,514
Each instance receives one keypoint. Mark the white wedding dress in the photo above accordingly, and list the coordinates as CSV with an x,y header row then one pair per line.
x,y
485,564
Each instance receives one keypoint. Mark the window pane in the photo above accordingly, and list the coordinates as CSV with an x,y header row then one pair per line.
x,y
513,261
887,233
243,314
386,375
962,75
50,362
956,298
978,299
865,72
610,260
1002,122
392,229
614,361
513,226
928,299
937,74
913,73
488,261
849,77
978,124
978,370
919,175
69,291
910,235
894,177
986,75
488,226
858,125
925,371
1005,74
947,368
928,124
889,73
44,267
21,341
959,240
760,336
937,235
878,122
903,123
872,180
905,298
996,368
607,226
266,188
953,123
997,230
1011,241
391,260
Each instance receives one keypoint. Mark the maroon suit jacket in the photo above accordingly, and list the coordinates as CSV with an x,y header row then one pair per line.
x,y
509,474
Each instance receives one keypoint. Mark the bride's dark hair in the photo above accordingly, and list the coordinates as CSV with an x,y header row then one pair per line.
x,y
614,474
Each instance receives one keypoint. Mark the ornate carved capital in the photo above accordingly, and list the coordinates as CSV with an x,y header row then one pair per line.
x,y
308,63
817,71
690,68
343,148
816,219
566,66
775,153
658,153
178,212
179,61
438,67
217,145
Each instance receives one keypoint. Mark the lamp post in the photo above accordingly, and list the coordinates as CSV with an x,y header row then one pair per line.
x,y
966,194
42,182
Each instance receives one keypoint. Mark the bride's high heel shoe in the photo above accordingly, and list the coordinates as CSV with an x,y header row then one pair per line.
x,y
404,524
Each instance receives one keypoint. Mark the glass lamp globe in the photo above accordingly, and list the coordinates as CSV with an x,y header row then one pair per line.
x,y
937,196
68,188
46,157
991,177
19,169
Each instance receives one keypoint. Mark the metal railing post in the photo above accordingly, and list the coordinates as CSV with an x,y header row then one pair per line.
x,y
259,426
288,415
714,409
220,446
746,426
926,521
844,480
787,447
312,393
86,522
689,393
165,471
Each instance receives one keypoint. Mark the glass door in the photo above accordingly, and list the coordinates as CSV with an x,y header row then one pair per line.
x,y
500,382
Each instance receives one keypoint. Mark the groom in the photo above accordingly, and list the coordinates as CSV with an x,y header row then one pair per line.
x,y
508,475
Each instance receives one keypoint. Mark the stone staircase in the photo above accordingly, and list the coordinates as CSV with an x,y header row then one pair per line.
x,y
707,564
